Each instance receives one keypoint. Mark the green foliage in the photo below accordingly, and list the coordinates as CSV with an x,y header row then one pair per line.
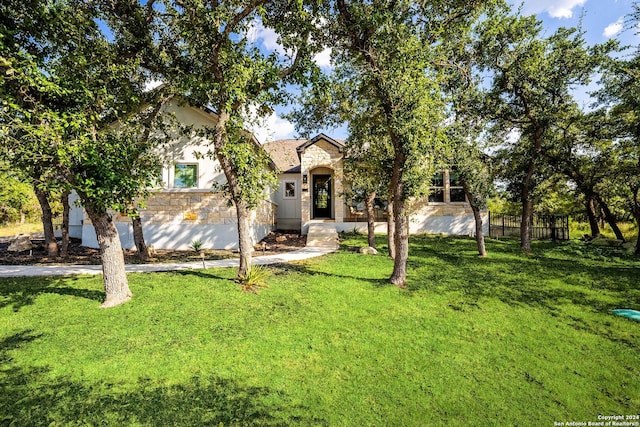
x,y
17,199
329,343
196,245
530,96
255,279
254,173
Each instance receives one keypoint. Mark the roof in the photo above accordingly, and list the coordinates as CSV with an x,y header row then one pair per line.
x,y
335,142
284,155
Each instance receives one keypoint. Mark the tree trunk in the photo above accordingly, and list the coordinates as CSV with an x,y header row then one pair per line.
x,y
371,220
527,209
114,276
66,209
477,218
391,229
47,223
242,210
23,217
608,216
590,205
525,225
637,251
399,275
244,237
138,238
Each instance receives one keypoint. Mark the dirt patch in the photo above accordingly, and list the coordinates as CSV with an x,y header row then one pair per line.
x,y
274,243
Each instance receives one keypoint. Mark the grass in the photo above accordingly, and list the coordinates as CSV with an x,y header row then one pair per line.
x,y
26,228
578,229
506,340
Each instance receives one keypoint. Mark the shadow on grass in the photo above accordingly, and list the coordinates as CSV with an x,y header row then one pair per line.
x,y
281,269
523,279
29,396
23,291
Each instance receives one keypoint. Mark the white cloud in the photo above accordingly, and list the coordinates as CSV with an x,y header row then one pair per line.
x,y
613,28
555,8
269,38
323,59
270,128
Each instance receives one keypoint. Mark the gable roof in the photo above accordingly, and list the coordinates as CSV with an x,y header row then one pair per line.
x,y
285,153
335,142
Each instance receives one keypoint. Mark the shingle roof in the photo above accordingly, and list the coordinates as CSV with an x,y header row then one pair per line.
x,y
284,155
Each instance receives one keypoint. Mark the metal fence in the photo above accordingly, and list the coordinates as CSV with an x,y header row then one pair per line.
x,y
543,227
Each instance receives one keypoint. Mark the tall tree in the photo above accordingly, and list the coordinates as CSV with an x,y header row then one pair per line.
x,y
66,83
530,93
621,89
397,50
214,60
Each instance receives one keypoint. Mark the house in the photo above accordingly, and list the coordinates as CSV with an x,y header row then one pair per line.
x,y
311,190
188,205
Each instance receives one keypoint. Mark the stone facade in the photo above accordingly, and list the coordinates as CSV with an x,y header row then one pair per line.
x,y
195,207
173,218
322,157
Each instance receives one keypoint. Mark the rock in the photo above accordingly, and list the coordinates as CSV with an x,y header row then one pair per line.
x,y
20,244
368,251
281,238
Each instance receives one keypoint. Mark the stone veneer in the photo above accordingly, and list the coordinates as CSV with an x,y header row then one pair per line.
x,y
196,207
322,154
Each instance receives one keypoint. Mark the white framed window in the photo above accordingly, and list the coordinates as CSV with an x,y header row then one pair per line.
x,y
290,189
456,191
436,193
185,175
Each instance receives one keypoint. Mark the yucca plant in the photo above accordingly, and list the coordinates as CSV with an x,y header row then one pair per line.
x,y
255,279
196,245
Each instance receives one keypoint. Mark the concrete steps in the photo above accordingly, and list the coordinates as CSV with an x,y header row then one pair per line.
x,y
322,236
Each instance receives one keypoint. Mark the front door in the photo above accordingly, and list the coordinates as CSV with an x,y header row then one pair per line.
x,y
322,196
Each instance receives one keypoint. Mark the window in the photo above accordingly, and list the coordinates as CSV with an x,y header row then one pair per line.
x,y
436,193
186,176
289,190
456,191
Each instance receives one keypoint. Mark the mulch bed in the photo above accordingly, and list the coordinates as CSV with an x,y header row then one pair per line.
x,y
274,243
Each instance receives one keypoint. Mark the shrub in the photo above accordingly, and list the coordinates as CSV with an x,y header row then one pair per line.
x,y
255,279
196,245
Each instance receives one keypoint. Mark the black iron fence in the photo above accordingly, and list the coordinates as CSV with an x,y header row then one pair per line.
x,y
543,227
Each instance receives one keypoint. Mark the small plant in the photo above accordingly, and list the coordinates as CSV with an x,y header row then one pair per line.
x,y
196,245
255,279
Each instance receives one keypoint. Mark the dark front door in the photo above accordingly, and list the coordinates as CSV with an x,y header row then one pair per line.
x,y
322,196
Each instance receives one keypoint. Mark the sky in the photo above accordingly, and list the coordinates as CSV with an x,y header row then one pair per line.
x,y
601,20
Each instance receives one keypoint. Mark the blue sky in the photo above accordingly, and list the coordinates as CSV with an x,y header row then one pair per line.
x,y
601,20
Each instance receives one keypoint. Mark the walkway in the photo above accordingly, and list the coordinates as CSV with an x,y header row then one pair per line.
x,y
310,251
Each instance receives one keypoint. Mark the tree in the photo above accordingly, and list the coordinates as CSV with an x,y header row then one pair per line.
x,y
212,59
584,153
467,123
64,88
17,199
366,167
530,94
396,49
621,87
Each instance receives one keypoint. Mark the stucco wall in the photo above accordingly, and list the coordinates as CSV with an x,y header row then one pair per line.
x,y
289,209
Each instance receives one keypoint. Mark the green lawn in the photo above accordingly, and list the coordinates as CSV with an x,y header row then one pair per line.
x,y
507,340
